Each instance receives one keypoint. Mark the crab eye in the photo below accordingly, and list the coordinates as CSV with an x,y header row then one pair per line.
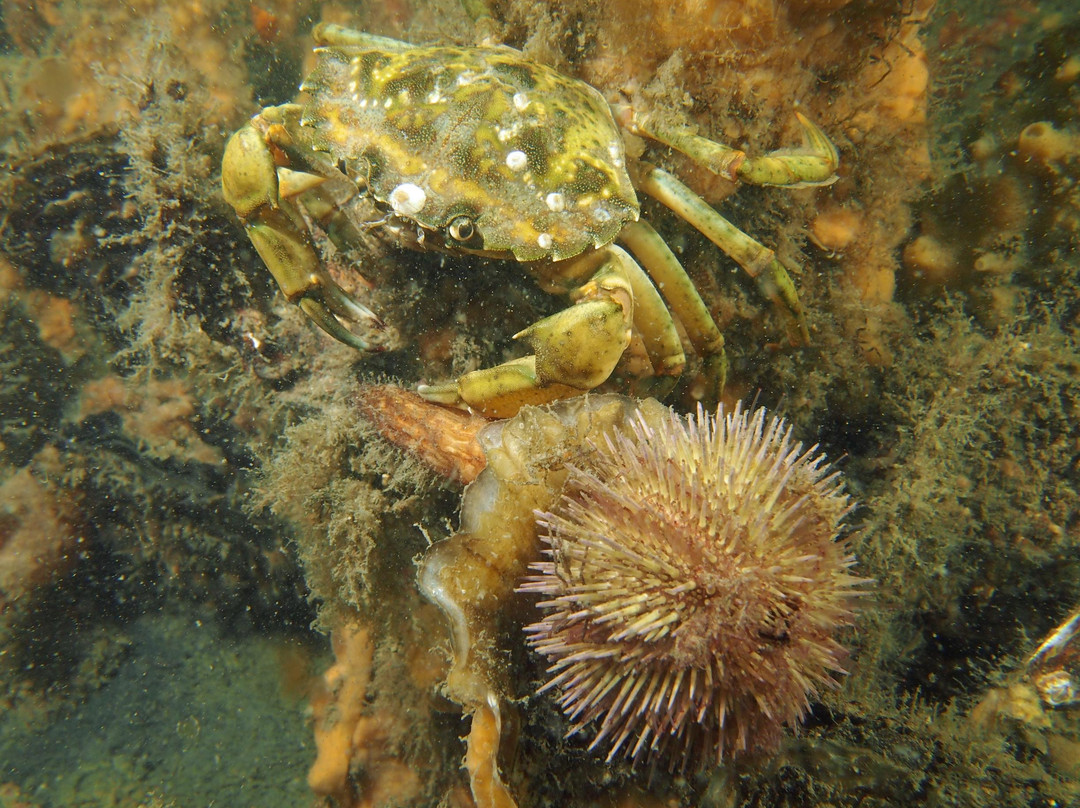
x,y
462,229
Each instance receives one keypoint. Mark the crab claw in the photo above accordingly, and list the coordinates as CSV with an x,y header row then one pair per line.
x,y
294,263
813,164
322,306
251,181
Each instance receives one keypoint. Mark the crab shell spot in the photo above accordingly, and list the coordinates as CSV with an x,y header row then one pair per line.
x,y
615,152
516,160
544,241
555,201
407,199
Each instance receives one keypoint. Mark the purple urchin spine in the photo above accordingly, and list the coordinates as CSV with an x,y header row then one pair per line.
x,y
696,576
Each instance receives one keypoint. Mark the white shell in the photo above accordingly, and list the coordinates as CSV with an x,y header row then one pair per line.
x,y
516,160
408,199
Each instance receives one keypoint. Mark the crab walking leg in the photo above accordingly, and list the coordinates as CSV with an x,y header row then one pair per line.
x,y
813,164
653,323
574,350
259,191
675,285
759,262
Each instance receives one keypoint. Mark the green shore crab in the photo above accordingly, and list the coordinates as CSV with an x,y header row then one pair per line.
x,y
478,150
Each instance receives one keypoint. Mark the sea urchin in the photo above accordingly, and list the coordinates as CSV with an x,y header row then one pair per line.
x,y
697,573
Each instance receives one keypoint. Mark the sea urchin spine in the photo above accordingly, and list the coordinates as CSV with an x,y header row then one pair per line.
x,y
697,574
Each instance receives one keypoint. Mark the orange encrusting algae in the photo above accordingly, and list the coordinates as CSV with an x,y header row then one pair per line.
x,y
356,765
337,710
40,529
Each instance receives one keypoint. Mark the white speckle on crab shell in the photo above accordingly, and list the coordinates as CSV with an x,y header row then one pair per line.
x,y
516,160
601,214
615,152
521,102
408,199
506,133
555,201
544,240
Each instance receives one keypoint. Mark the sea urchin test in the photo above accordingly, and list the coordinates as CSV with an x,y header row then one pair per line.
x,y
696,577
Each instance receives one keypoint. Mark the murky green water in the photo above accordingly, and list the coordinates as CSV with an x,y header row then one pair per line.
x,y
192,502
